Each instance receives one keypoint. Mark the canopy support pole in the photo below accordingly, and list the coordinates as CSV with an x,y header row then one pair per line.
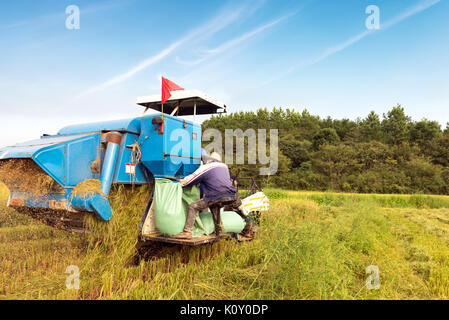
x,y
194,110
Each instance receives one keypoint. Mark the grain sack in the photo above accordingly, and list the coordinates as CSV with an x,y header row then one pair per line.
x,y
168,207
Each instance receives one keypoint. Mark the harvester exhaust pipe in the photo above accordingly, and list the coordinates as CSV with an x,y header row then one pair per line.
x,y
99,203
113,141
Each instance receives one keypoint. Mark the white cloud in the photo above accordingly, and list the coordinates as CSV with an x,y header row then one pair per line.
x,y
234,42
131,72
216,24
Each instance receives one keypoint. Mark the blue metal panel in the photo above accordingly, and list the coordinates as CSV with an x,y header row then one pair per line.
x,y
132,125
94,203
181,146
125,157
52,161
190,166
36,201
29,148
79,155
173,154
107,171
66,159
150,142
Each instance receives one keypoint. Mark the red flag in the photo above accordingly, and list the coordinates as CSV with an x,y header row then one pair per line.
x,y
168,86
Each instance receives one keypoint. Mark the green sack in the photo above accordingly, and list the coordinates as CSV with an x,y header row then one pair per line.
x,y
171,203
168,207
189,195
231,222
192,194
204,225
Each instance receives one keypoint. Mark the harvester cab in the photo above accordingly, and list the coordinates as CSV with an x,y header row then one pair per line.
x,y
60,178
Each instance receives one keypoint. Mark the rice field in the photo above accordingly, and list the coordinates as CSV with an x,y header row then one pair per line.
x,y
310,245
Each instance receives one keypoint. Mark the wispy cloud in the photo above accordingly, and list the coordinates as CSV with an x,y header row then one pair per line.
x,y
131,72
423,5
219,22
234,42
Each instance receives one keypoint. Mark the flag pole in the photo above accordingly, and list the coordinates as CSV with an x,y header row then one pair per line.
x,y
167,86
163,126
163,130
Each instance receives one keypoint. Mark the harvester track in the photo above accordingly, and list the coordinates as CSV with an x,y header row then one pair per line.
x,y
60,219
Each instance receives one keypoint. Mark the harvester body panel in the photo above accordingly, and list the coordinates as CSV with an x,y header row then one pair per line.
x,y
125,163
173,151
129,125
76,156
66,159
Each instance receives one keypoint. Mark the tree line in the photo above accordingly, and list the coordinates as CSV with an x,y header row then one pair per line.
x,y
388,154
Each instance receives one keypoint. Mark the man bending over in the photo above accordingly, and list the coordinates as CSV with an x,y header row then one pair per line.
x,y
215,183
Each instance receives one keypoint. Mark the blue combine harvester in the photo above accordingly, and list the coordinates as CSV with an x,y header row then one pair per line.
x,y
131,151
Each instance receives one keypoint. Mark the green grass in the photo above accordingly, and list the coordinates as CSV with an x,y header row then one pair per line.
x,y
383,200
310,245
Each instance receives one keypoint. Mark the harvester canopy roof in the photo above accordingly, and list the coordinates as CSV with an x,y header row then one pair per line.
x,y
184,103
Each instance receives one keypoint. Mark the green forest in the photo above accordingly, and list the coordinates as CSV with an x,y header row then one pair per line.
x,y
391,153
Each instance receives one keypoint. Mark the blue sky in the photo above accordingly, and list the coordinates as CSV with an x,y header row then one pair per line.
x,y
314,54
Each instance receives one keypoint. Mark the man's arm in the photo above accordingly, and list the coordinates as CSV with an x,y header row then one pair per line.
x,y
191,179
198,175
